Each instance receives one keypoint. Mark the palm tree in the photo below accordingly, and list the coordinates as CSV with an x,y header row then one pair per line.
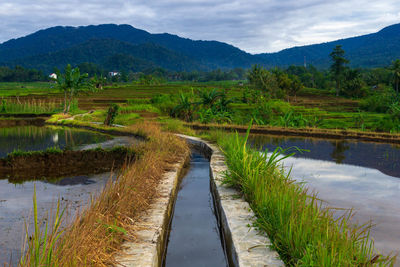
x,y
395,67
71,82
208,98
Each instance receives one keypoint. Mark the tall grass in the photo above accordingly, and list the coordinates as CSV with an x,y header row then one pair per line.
x,y
302,231
35,106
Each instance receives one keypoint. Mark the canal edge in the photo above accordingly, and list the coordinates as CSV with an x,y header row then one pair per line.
x,y
149,245
244,245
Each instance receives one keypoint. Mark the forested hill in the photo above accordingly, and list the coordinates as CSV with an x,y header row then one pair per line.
x,y
367,51
78,44
120,47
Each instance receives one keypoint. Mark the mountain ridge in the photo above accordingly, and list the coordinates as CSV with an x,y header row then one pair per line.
x,y
55,46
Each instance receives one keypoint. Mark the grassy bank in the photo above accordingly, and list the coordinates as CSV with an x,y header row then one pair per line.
x,y
302,231
96,235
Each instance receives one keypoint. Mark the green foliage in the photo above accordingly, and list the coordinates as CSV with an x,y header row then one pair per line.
x,y
379,101
302,231
353,85
41,249
395,68
20,74
185,107
71,83
338,66
164,102
275,84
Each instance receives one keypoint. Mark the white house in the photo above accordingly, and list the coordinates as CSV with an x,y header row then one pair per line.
x,y
113,73
53,76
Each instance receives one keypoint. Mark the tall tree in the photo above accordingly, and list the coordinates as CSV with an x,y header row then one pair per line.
x,y
338,66
395,68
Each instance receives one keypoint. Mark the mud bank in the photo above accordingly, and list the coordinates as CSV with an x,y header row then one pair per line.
x,y
42,165
11,122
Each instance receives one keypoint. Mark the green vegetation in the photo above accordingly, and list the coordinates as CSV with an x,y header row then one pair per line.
x,y
71,83
41,250
15,106
300,228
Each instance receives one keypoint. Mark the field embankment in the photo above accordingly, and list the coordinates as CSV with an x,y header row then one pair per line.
x,y
96,235
37,165
379,137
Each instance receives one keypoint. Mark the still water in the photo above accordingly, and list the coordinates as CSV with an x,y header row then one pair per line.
x,y
349,174
73,192
33,138
194,237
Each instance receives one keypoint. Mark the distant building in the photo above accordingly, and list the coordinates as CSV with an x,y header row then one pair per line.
x,y
113,73
53,76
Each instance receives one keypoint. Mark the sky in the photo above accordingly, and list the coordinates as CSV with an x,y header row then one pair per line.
x,y
256,26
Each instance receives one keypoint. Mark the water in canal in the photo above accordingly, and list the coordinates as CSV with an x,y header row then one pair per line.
x,y
350,174
194,238
74,192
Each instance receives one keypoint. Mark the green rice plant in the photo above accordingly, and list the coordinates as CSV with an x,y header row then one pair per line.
x,y
139,107
301,229
41,250
35,106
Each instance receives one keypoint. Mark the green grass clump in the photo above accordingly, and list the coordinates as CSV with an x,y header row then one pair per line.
x,y
41,250
21,153
302,231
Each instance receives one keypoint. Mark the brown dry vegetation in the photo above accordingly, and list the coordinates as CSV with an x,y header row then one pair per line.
x,y
96,236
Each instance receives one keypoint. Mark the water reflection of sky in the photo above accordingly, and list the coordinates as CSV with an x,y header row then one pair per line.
x,y
383,157
349,174
33,138
373,195
16,206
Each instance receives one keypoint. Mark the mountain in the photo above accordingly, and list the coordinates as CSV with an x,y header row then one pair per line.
x,y
368,51
117,47
113,55
47,47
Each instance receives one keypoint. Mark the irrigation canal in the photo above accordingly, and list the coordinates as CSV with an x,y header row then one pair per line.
x,y
194,238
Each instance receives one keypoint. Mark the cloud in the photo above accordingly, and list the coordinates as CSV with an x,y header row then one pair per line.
x,y
253,25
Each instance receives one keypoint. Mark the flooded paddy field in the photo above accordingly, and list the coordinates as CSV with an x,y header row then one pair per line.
x,y
349,174
73,191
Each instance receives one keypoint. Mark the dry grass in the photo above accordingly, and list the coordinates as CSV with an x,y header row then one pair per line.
x,y
96,236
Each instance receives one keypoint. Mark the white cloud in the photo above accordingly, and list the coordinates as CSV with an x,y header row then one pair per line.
x,y
253,25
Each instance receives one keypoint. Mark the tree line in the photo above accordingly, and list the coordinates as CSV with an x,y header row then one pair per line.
x,y
20,74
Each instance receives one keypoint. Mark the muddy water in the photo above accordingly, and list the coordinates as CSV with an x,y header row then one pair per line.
x,y
74,192
347,174
194,237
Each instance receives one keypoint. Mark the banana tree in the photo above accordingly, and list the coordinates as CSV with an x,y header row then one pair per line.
x,y
71,82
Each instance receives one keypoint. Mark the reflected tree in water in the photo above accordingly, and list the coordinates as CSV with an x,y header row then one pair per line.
x,y
339,147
